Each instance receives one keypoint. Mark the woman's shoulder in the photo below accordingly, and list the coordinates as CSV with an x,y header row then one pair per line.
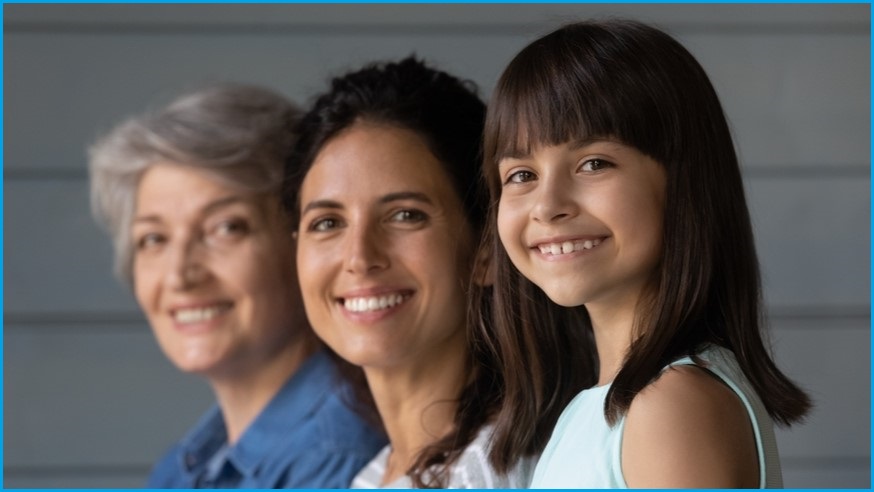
x,y
688,429
473,470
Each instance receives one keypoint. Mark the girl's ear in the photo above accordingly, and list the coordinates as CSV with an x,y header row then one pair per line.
x,y
483,268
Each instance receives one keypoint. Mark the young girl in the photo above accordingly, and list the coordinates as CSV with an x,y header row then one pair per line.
x,y
617,191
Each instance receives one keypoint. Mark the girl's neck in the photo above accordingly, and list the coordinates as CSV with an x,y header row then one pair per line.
x,y
243,395
417,404
614,331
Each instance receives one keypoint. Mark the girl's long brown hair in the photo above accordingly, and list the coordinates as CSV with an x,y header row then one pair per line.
x,y
628,81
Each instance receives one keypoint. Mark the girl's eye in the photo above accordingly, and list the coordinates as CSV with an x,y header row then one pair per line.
x,y
324,224
520,177
595,165
150,241
409,215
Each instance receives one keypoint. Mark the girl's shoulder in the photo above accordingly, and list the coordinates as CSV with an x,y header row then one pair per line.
x,y
688,429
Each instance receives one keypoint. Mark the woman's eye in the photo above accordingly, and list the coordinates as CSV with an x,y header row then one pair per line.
x,y
409,215
591,165
149,241
520,177
324,224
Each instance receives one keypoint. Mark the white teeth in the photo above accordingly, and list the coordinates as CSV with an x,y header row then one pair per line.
x,y
363,304
566,247
198,315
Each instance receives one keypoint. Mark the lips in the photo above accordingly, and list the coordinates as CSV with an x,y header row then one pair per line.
x,y
376,302
567,247
199,314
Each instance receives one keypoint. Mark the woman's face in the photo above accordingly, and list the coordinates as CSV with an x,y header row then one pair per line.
x,y
213,271
583,221
383,249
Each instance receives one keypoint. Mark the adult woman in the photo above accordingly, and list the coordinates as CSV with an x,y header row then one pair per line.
x,y
383,184
189,195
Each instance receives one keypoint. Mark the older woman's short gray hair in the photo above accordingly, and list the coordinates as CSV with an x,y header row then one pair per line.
x,y
240,134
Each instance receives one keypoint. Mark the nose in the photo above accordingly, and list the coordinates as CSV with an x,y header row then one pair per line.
x,y
186,268
365,252
555,200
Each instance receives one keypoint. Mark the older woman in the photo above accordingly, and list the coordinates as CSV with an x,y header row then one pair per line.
x,y
190,197
384,187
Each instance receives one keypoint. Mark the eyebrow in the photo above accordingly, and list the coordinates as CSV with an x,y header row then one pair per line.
x,y
391,197
210,207
321,204
406,195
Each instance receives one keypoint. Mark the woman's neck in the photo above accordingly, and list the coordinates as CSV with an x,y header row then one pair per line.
x,y
242,396
417,403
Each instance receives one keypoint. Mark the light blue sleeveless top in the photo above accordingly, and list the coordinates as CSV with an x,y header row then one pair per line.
x,y
584,452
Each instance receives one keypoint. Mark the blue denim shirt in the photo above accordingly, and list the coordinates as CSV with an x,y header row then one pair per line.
x,y
305,438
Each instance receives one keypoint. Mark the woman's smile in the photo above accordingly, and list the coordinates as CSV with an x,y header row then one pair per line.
x,y
381,244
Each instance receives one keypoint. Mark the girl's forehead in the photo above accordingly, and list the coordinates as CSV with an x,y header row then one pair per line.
x,y
524,143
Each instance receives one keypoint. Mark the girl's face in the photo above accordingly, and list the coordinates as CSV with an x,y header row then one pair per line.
x,y
213,272
383,249
583,220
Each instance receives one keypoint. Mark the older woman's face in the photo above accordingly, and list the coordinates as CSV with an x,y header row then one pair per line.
x,y
383,249
213,271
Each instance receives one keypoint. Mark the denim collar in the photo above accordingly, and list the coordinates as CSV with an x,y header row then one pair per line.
x,y
298,398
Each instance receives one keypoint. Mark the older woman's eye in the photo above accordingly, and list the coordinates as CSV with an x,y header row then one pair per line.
x,y
232,228
150,241
409,215
226,232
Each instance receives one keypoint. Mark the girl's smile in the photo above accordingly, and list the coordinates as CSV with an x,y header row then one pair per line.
x,y
563,248
583,221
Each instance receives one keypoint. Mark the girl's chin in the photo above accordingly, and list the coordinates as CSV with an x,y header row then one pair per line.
x,y
564,298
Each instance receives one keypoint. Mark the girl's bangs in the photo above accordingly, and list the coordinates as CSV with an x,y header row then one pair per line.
x,y
544,103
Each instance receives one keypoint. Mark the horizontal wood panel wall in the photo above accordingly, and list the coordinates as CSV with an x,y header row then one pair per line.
x,y
91,402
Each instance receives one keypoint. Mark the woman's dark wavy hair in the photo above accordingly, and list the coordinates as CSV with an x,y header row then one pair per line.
x,y
449,115
627,81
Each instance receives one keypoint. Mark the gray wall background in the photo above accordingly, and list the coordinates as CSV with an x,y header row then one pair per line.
x,y
91,402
